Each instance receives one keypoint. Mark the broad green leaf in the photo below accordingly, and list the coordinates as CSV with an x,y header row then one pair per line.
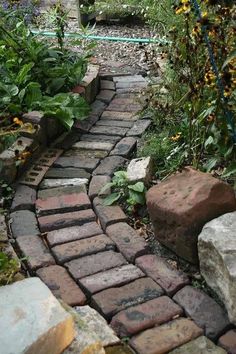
x,y
137,187
111,199
23,74
136,197
230,171
210,164
121,174
209,141
104,188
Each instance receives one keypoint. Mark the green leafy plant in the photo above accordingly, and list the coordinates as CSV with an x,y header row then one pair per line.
x,y
8,268
124,191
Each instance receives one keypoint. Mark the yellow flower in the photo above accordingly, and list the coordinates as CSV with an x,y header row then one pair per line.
x,y
18,121
176,137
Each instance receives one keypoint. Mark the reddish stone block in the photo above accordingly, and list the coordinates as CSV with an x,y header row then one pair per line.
x,y
228,341
124,105
96,184
108,214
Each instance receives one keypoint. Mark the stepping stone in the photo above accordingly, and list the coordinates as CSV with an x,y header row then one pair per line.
x,y
24,198
87,164
62,285
60,221
108,214
119,116
97,107
62,204
73,233
106,96
66,173
107,85
87,246
96,184
115,123
109,165
131,85
125,147
139,127
99,138
127,240
164,338
228,341
23,223
36,253
124,105
111,301
3,229
170,279
86,153
82,267
133,78
62,182
85,125
203,310
107,130
93,145
130,90
110,278
149,314
32,319
54,192
201,345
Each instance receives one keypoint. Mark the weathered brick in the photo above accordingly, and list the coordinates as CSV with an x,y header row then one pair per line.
x,y
124,105
96,184
119,349
101,129
85,125
63,182
62,285
95,263
36,253
113,277
73,233
107,85
228,341
122,116
93,145
87,164
139,127
162,339
115,123
203,310
24,198
87,246
149,314
171,280
109,165
132,78
62,204
3,229
55,192
80,153
23,223
92,137
125,147
108,215
111,301
67,173
201,345
129,243
106,95
59,221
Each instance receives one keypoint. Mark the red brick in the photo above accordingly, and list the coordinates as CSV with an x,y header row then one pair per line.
x,y
129,243
228,341
94,263
76,249
108,214
38,255
171,280
111,301
163,339
62,204
73,233
62,285
96,184
113,277
59,221
149,314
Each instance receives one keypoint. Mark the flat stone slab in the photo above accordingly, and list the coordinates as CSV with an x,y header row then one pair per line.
x,y
124,105
73,233
112,277
162,339
59,221
171,280
149,314
82,267
129,243
56,192
97,138
67,173
115,123
23,223
139,127
62,182
119,116
108,215
125,147
28,307
93,145
87,164
132,78
80,153
107,85
24,198
205,311
62,285
228,341
62,204
201,345
100,129
106,95
109,165
36,253
72,250
111,301
3,229
96,184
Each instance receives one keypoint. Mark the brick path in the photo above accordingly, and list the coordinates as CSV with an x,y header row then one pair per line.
x,y
87,253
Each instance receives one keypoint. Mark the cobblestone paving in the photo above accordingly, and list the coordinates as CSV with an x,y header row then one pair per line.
x,y
86,252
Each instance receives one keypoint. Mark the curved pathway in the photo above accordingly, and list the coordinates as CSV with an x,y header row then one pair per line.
x,y
87,253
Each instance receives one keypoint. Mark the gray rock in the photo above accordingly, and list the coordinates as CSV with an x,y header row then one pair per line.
x,y
56,192
86,163
217,256
201,345
139,128
140,169
67,173
32,320
125,147
63,182
107,146
109,165
24,198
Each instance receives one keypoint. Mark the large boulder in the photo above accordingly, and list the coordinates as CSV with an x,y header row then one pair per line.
x,y
181,205
217,256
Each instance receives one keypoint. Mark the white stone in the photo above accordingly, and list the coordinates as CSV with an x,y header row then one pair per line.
x,y
32,321
93,145
217,256
63,182
140,169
